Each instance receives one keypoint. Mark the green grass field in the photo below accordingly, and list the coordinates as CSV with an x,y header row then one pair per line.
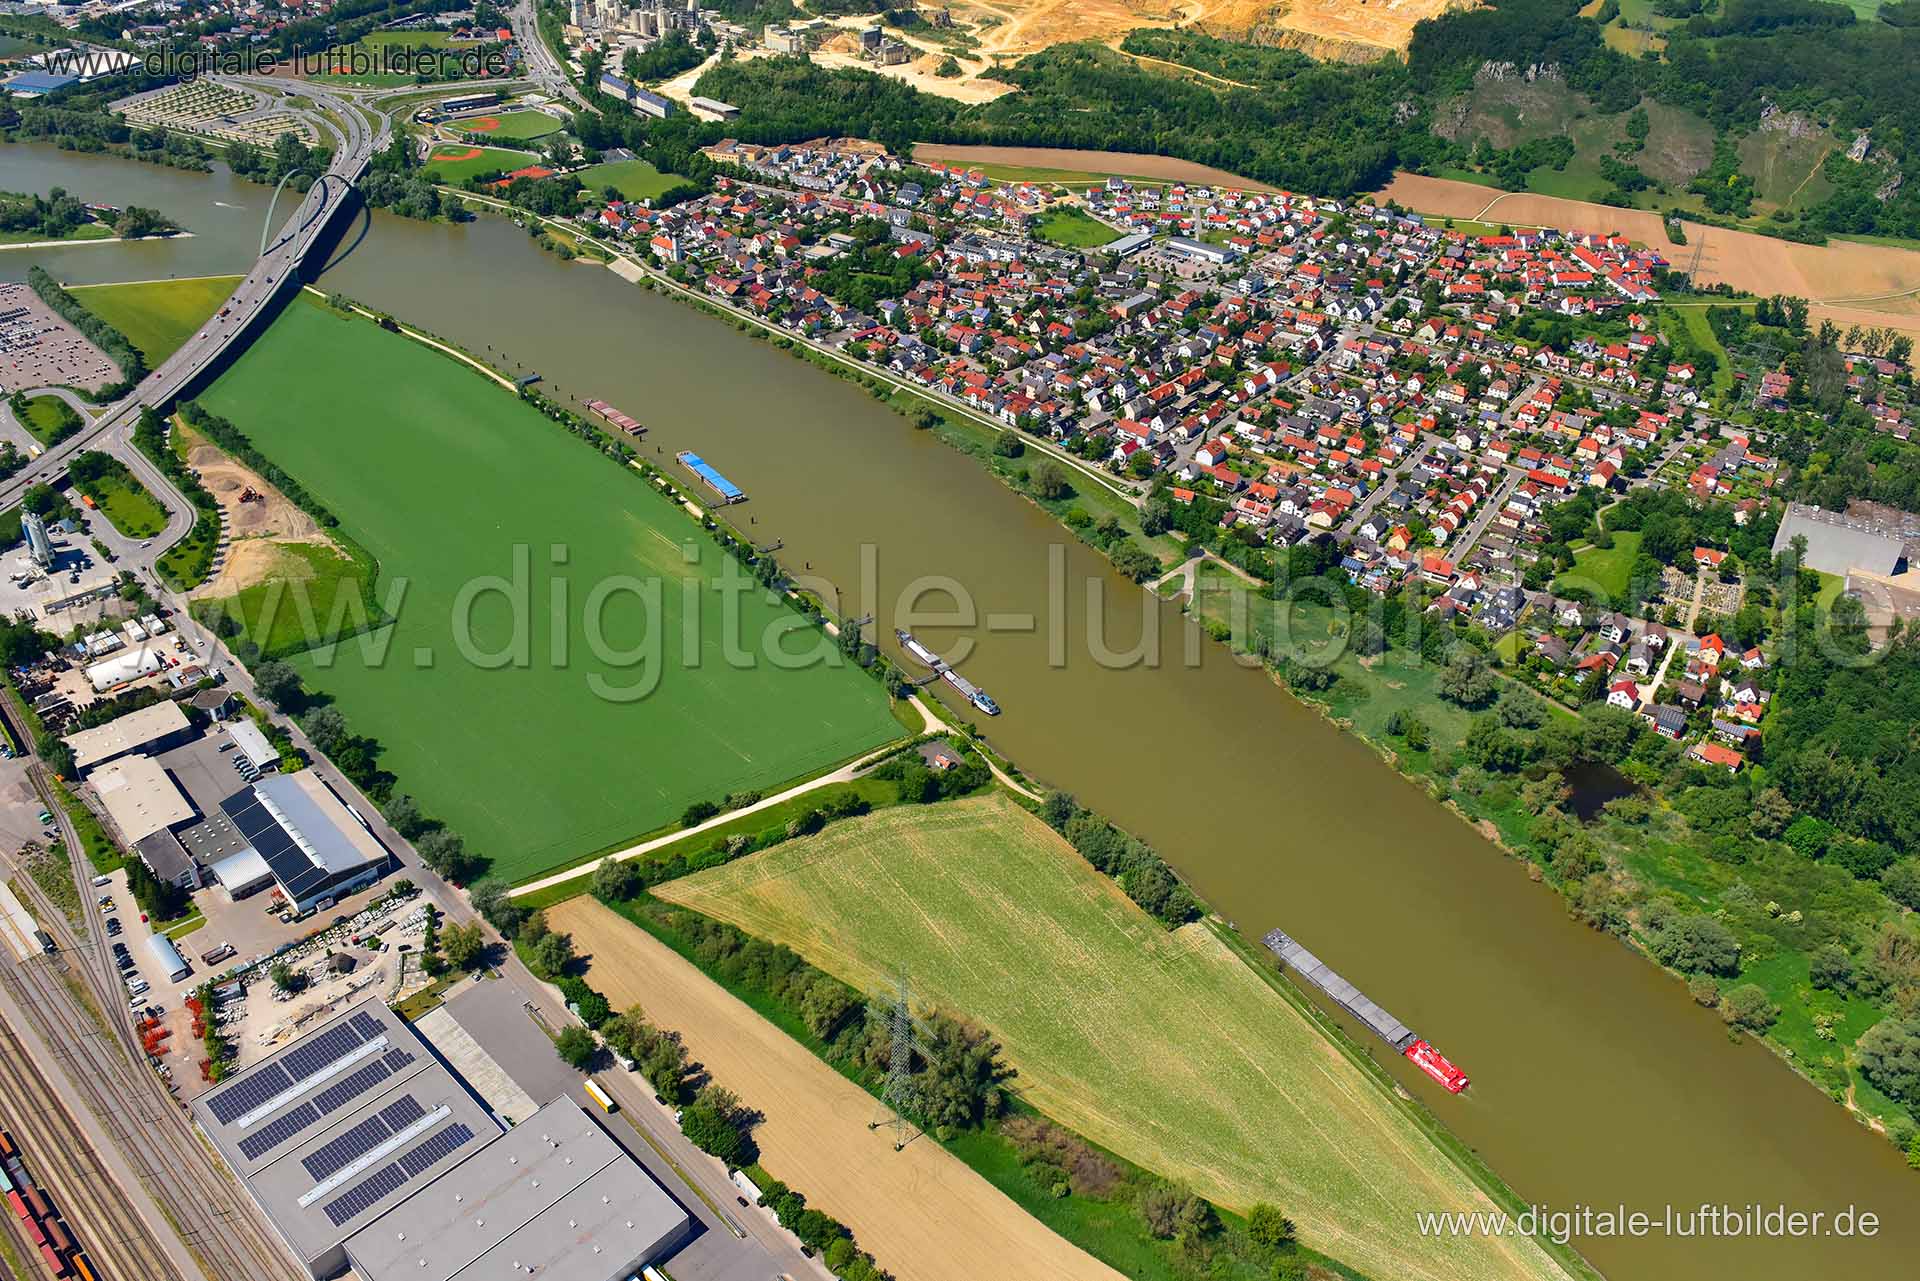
x,y
158,316
1074,228
517,126
467,165
333,582
1164,1047
450,482
1606,569
126,504
1692,329
50,419
634,179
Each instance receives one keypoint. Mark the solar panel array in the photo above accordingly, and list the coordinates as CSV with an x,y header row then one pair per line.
x,y
365,1194
297,1065
269,1137
402,1112
338,1153
394,1175
244,1096
324,1104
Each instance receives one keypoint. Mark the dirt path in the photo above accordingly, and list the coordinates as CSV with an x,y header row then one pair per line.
x,y
923,1214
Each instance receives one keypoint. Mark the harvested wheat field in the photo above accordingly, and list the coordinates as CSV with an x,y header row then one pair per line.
x,y
1094,164
922,1214
1163,1046
1874,281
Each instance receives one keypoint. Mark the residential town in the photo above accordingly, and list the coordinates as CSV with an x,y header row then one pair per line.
x,y
1424,399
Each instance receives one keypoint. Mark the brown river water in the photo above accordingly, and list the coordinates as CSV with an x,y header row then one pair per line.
x,y
1596,1082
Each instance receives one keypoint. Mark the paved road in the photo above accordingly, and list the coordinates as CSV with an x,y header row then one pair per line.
x,y
540,60
250,304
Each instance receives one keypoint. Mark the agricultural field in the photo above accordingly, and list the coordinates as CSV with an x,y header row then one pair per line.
x,y
954,1227
1165,1047
1074,228
1073,165
456,163
515,126
633,179
158,316
460,492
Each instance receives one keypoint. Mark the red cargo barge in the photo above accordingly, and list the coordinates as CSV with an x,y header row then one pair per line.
x,y
1355,1002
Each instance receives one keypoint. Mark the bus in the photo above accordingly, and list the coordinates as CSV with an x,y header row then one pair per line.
x,y
600,1096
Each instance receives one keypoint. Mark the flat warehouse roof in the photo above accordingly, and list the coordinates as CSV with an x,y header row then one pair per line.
x,y
126,733
337,1127
141,798
554,1196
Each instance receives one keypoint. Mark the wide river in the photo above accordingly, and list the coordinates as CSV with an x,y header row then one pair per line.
x,y
1596,1082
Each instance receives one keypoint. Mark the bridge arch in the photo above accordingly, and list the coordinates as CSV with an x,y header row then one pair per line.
x,y
266,228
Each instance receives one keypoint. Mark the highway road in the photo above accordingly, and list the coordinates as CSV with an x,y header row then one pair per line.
x,y
540,61
251,302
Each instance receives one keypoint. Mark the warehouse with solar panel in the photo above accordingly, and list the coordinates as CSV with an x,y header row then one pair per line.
x,y
366,1151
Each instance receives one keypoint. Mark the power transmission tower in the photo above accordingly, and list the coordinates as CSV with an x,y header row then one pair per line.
x,y
897,1100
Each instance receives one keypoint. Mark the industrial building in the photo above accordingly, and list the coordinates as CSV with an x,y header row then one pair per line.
x,y
302,837
332,1131
366,1152
39,545
150,729
140,797
1837,544
253,744
713,109
552,1197
1201,251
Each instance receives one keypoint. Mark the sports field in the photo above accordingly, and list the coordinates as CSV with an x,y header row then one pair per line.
x,y
1074,228
455,163
158,316
634,179
555,739
1163,1046
517,125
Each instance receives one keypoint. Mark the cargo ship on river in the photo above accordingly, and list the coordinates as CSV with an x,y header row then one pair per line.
x,y
968,690
1355,1002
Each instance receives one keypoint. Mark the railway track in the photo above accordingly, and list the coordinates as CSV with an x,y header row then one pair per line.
x,y
60,1158
140,1115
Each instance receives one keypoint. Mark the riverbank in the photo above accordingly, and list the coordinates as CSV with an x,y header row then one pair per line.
x,y
1366,706
1592,1084
71,241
